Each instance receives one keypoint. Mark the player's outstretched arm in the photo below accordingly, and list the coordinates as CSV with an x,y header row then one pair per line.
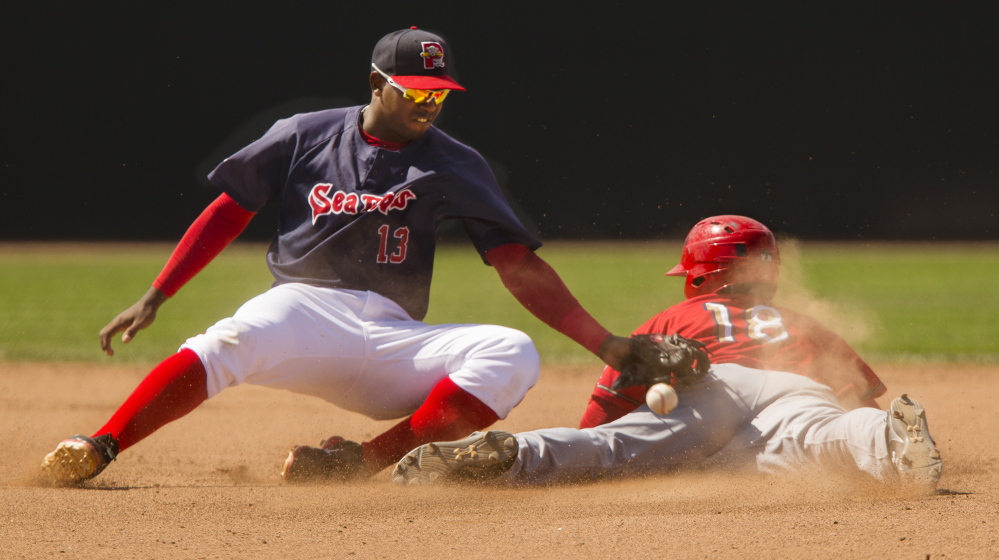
x,y
212,232
137,317
539,288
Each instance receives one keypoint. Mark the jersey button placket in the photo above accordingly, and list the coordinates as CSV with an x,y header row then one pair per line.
x,y
372,164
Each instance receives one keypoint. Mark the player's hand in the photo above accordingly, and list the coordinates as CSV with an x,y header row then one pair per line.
x,y
614,350
137,317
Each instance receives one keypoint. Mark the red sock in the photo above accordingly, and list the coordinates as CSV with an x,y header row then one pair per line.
x,y
449,413
174,388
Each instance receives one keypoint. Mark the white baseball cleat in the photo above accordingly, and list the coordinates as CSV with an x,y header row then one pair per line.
x,y
913,453
481,456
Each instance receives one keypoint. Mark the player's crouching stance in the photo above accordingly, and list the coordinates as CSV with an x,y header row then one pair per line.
x,y
749,410
361,191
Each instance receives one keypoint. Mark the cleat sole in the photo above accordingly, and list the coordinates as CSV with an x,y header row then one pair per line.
x,y
480,456
916,458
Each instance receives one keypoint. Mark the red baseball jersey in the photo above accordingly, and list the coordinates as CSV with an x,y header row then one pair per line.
x,y
741,329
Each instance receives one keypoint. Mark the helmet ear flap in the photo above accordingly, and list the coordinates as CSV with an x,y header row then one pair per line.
x,y
693,286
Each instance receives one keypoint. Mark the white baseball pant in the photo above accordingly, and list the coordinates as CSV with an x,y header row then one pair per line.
x,y
362,352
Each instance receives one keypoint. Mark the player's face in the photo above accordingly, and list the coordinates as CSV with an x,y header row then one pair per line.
x,y
395,118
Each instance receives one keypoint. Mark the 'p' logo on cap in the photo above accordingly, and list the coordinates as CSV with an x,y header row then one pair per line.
x,y
433,55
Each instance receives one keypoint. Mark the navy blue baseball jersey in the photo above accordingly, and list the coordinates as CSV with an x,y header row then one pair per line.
x,y
360,217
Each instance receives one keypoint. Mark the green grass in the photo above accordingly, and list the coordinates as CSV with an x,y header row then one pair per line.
x,y
937,302
895,302
54,300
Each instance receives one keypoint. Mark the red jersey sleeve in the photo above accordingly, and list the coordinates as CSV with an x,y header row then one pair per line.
x,y
538,288
211,232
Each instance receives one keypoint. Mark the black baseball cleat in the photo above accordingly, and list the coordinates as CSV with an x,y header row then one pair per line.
x,y
482,456
337,460
913,453
80,458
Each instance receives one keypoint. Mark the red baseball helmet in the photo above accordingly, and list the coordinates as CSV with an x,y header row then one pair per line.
x,y
726,251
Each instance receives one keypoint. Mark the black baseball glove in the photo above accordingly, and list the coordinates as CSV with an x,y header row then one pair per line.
x,y
657,358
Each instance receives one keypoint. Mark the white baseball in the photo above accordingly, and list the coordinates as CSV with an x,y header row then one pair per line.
x,y
661,398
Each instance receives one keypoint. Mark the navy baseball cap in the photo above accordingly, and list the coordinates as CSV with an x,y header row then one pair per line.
x,y
415,59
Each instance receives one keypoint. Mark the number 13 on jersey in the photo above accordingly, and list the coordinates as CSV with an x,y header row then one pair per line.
x,y
401,246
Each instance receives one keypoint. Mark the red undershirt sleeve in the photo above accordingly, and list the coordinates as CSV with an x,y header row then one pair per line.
x,y
213,231
538,288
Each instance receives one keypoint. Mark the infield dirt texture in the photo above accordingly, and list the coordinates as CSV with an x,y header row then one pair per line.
x,y
207,486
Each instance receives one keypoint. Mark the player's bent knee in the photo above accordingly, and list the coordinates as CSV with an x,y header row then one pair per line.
x,y
231,350
524,367
500,367
523,356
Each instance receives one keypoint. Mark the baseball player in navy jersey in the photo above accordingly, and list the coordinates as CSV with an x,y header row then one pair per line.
x,y
361,191
776,398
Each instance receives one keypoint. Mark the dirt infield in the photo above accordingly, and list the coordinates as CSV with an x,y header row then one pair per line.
x,y
207,486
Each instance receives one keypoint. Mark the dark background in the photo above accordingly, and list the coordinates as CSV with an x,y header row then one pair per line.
x,y
616,120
